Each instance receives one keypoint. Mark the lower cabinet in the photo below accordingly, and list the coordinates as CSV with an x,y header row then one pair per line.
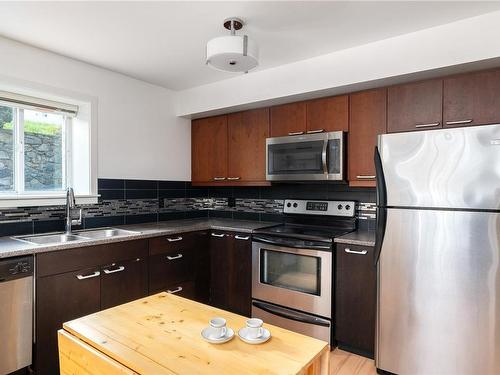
x,y
109,275
60,298
123,282
231,271
355,298
179,265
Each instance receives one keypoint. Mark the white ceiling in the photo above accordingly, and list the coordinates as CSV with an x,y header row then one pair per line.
x,y
163,42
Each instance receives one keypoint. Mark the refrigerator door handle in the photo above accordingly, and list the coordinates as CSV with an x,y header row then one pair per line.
x,y
381,205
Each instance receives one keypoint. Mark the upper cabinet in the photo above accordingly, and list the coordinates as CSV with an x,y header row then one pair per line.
x,y
314,116
415,106
209,149
247,133
367,120
327,114
288,119
472,99
230,149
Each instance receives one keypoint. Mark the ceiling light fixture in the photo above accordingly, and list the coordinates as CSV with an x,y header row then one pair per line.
x,y
233,53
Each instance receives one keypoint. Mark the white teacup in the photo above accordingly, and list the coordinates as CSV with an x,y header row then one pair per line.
x,y
219,328
254,328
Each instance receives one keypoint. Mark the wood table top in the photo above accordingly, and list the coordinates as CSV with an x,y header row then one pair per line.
x,y
161,334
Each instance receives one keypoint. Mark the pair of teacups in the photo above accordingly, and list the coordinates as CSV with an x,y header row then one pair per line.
x,y
253,331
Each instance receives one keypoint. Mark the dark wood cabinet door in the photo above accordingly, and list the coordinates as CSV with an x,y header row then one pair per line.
x,y
123,282
356,294
415,106
209,149
61,298
328,114
220,254
247,146
288,119
240,275
472,99
368,118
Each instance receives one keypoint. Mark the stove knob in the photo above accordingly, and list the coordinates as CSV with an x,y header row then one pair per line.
x,y
289,204
340,207
295,205
347,207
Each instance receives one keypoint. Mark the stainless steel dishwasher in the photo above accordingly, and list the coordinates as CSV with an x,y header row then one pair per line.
x,y
16,313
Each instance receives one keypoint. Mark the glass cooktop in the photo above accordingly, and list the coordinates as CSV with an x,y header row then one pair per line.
x,y
317,233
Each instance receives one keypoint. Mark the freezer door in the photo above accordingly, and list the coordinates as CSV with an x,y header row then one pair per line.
x,y
456,168
439,293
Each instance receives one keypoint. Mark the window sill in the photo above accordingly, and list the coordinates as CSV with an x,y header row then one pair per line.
x,y
14,201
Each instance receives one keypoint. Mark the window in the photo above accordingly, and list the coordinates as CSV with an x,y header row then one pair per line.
x,y
45,147
35,151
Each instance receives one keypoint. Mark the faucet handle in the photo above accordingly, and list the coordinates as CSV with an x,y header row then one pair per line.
x,y
79,220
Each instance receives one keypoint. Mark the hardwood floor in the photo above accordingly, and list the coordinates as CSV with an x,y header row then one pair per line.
x,y
344,363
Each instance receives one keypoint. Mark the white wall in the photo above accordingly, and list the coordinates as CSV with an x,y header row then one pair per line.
x,y
139,135
453,47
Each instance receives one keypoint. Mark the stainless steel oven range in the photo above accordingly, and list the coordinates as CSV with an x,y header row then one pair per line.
x,y
293,266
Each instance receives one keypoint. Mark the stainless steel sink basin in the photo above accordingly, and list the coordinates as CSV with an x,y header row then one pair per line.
x,y
46,239
106,233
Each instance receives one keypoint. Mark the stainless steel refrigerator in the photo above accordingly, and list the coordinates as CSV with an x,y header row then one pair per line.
x,y
438,252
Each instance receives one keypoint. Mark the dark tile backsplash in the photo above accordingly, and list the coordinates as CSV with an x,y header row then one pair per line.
x,y
141,201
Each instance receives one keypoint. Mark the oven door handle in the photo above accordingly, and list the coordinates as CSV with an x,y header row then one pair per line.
x,y
292,315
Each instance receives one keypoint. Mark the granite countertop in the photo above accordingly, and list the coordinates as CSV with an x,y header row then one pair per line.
x,y
10,247
359,237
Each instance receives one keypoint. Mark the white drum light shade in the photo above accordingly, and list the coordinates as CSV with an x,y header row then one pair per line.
x,y
234,53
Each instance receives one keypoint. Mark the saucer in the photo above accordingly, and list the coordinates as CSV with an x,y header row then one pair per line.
x,y
266,335
207,334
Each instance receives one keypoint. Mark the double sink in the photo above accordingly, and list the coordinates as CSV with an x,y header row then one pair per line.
x,y
84,235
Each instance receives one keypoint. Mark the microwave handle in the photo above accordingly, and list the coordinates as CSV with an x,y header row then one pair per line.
x,y
324,156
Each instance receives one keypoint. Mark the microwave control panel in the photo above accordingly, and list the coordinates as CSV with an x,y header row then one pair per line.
x,y
317,207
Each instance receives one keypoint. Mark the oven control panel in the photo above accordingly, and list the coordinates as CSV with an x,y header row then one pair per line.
x,y
319,207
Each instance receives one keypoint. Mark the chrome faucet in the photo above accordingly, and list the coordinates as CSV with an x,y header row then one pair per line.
x,y
71,205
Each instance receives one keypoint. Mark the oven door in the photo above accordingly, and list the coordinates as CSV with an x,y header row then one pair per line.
x,y
297,278
293,320
306,157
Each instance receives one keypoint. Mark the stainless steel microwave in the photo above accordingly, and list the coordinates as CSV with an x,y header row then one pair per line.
x,y
306,157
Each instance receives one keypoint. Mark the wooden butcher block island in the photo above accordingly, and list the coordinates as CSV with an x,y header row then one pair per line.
x,y
161,334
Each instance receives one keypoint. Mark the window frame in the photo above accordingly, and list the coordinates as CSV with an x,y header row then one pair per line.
x,y
81,110
19,181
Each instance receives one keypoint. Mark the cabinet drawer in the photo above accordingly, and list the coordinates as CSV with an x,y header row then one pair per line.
x,y
172,267
56,262
185,289
172,243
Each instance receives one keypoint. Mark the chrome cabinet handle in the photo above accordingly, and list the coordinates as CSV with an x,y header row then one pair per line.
x,y
89,276
176,290
295,133
349,251
174,239
178,256
315,131
233,178
430,125
119,269
458,122
219,235
365,177
219,178
244,238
